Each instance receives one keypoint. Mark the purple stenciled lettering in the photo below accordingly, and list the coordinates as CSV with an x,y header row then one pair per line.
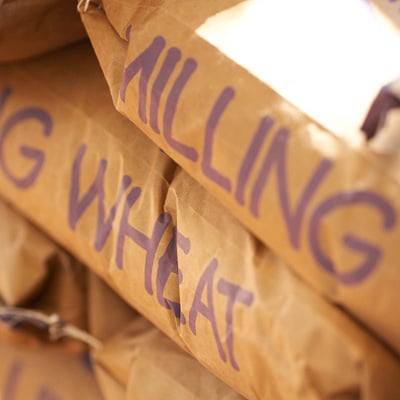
x,y
37,156
168,66
45,393
276,156
207,310
77,206
143,63
167,265
184,243
149,244
85,359
372,252
219,107
4,95
12,380
128,32
250,158
188,69
235,294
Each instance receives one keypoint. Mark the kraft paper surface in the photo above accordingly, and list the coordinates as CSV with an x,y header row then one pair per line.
x,y
328,205
38,274
32,27
97,185
37,371
107,312
151,366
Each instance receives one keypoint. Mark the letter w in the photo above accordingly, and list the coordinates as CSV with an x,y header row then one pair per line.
x,y
77,207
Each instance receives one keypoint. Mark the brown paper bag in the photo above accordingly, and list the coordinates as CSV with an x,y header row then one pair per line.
x,y
65,291
107,312
326,204
151,366
32,27
36,273
110,387
108,315
33,370
25,256
97,185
